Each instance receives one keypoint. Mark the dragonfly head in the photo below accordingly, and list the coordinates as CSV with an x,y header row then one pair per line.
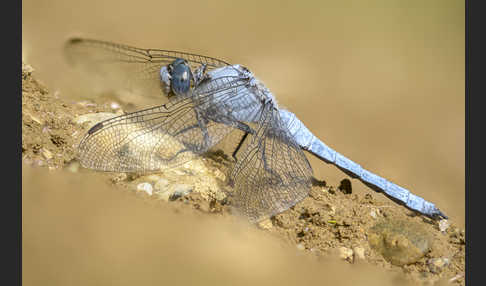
x,y
180,76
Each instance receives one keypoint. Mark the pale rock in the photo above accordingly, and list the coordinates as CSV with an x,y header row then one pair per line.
x,y
375,213
436,265
46,153
26,68
146,187
265,224
115,105
345,253
444,225
458,276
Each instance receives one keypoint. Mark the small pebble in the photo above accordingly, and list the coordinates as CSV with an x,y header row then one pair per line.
x,y
436,265
332,210
146,187
265,224
27,68
115,105
458,276
119,177
374,213
444,225
300,246
345,253
46,153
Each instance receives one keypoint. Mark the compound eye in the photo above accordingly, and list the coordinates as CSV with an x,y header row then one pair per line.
x,y
181,76
185,76
181,81
181,86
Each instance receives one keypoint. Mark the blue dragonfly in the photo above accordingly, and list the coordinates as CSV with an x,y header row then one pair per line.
x,y
208,101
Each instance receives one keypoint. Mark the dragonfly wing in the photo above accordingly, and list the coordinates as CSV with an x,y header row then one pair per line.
x,y
272,174
166,135
129,67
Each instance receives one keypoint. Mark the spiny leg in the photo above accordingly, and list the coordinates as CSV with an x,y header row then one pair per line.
x,y
199,74
239,146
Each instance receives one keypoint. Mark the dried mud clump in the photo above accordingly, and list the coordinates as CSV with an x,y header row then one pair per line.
x,y
49,135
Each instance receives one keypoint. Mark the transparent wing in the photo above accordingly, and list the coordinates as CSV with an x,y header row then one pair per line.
x,y
273,173
163,136
127,66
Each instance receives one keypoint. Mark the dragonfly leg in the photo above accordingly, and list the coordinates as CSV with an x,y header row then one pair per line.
x,y
199,74
239,146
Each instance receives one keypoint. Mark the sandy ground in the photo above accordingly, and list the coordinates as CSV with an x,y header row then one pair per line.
x,y
102,227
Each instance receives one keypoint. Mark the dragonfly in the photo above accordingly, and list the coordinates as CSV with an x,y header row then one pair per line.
x,y
210,99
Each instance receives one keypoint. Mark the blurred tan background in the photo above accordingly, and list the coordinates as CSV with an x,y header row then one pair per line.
x,y
381,82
